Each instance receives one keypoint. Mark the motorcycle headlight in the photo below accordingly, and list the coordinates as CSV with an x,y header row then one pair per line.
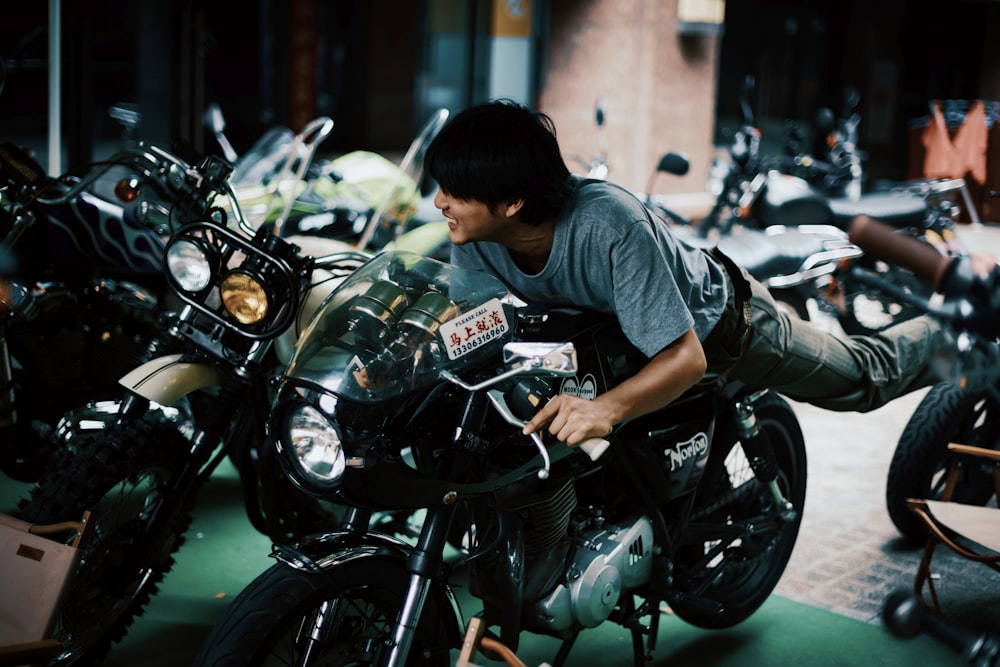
x,y
244,297
312,450
190,265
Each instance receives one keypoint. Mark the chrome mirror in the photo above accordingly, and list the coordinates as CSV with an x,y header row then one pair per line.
x,y
541,358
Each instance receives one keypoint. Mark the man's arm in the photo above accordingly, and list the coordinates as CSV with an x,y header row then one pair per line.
x,y
666,376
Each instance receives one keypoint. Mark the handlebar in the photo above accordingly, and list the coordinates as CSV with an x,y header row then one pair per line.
x,y
881,240
594,447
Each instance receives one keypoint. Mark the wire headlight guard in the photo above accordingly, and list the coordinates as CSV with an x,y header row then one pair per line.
x,y
251,286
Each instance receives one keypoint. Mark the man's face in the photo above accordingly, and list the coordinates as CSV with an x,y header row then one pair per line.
x,y
471,220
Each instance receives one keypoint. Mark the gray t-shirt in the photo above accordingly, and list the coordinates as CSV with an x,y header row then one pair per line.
x,y
612,255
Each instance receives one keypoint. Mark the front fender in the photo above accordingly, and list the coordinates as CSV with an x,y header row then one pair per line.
x,y
166,379
317,553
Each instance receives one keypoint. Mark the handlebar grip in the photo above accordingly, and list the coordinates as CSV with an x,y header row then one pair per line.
x,y
883,241
594,447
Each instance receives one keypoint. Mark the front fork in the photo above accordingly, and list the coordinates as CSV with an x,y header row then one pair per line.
x,y
759,452
424,564
426,561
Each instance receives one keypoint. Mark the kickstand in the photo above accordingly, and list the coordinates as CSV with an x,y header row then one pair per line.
x,y
643,651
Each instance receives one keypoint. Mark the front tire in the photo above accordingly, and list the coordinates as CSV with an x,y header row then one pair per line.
x,y
724,579
921,459
125,477
273,620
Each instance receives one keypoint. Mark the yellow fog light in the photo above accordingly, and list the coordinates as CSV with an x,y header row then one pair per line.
x,y
244,297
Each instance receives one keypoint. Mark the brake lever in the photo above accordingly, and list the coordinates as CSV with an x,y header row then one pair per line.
x,y
592,447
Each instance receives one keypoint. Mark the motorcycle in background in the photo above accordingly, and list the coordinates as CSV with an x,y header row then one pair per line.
x,y
281,180
89,291
408,392
752,191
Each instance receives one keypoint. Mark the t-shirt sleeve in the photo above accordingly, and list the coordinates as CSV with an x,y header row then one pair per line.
x,y
648,301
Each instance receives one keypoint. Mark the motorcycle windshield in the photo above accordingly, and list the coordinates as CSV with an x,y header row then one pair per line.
x,y
396,323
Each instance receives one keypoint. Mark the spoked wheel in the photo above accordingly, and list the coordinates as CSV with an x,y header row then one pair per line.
x,y
344,616
736,547
868,311
124,476
921,459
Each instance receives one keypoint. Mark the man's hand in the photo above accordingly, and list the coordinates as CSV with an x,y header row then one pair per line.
x,y
572,419
665,377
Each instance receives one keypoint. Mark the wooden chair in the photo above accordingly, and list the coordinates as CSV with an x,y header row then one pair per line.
x,y
971,531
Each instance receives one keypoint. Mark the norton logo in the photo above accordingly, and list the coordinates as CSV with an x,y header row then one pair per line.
x,y
679,454
586,389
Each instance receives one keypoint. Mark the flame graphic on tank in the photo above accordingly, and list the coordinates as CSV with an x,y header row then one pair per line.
x,y
104,235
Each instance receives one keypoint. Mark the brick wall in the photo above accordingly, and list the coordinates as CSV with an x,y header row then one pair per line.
x,y
659,88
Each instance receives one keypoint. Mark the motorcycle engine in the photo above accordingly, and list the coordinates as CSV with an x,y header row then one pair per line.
x,y
82,339
606,561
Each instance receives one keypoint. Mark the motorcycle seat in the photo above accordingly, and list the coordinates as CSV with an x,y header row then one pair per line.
x,y
896,209
766,255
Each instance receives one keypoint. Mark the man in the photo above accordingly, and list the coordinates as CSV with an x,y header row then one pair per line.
x,y
514,210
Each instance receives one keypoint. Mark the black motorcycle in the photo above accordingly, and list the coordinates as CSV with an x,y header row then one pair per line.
x,y
88,292
408,392
760,191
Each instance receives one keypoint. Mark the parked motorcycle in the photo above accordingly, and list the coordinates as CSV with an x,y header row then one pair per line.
x,y
89,290
752,191
281,180
795,263
408,392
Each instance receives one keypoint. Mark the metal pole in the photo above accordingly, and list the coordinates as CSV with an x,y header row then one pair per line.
x,y
55,79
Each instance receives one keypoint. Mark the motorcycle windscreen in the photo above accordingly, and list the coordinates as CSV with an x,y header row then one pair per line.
x,y
396,323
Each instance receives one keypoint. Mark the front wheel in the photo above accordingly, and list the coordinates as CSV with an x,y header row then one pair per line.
x,y
738,543
921,459
125,477
342,616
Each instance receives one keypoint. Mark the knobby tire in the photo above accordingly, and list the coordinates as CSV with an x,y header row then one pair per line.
x,y
120,475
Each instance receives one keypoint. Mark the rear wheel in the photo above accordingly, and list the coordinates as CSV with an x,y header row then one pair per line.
x,y
736,546
921,459
125,477
345,615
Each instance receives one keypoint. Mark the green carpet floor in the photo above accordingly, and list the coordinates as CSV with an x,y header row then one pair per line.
x,y
223,553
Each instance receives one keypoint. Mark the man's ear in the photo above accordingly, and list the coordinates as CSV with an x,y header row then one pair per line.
x,y
512,208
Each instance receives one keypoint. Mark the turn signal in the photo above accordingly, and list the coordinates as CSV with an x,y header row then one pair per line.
x,y
127,189
244,297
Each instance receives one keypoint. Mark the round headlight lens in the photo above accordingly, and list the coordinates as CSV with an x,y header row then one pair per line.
x,y
244,297
189,265
312,445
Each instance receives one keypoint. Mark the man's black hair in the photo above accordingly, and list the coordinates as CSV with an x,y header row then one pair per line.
x,y
499,152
